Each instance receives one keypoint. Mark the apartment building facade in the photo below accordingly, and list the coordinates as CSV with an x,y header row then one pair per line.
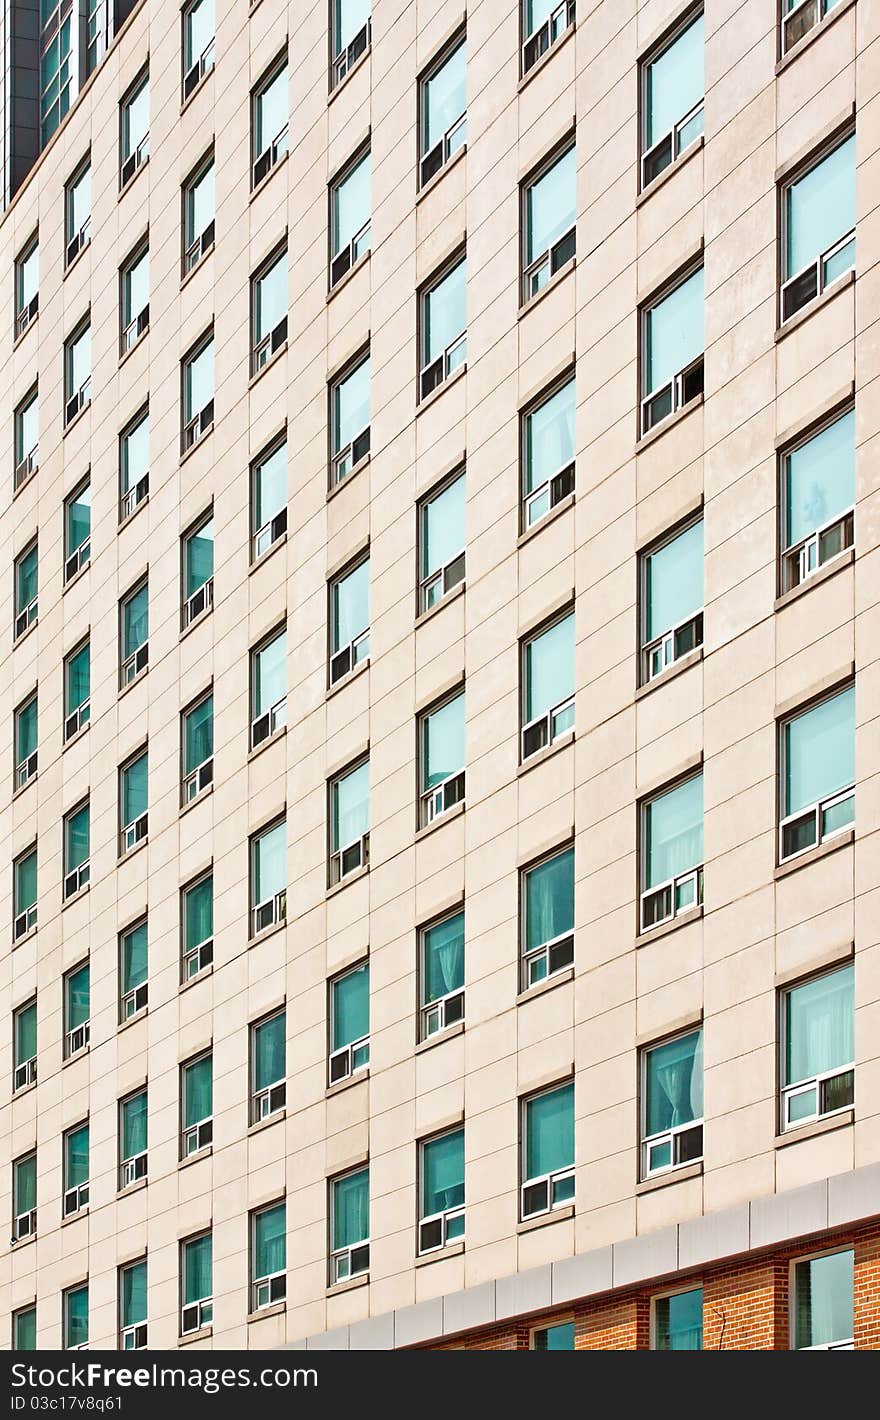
x,y
440,813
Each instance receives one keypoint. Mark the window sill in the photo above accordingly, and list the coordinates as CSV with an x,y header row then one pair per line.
x,y
199,798
19,339
545,57
457,591
561,508
255,191
346,679
337,1288
796,321
190,98
815,1127
75,897
546,753
19,1243
819,29
352,877
127,187
644,441
260,1124
352,473
362,260
201,1335
200,441
188,276
683,664
264,556
356,1078
83,730
78,1055
77,576
133,1020
555,280
273,360
653,934
556,1215
656,183
124,522
845,559
663,1180
23,788
275,1310
337,88
75,1217
132,852
17,640
438,1039
199,976
197,1157
76,259
135,1187
438,177
127,354
266,932
196,621
76,418
23,1090
455,812
25,937
135,680
452,1249
441,389
540,988
811,855
25,483
271,740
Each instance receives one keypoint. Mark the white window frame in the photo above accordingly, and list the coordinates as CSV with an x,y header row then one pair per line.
x,y
75,1198
202,243
134,1168
672,138
75,242
76,560
75,719
845,1344
559,485
548,1180
818,266
202,953
819,9
139,323
346,1254
201,601
453,572
201,423
136,159
24,1225
548,33
687,886
30,459
275,718
132,835
665,650
201,1134
25,314
195,783
25,769
817,810
24,1073
138,661
137,997
349,457
201,66
268,1290
76,1038
549,734
24,921
544,951
447,1215
75,878
132,498
28,614
356,652
447,360
444,1011
271,1099
203,1306
345,1054
76,400
687,384
450,792
271,911
661,1297
134,1336
276,148
454,140
344,60
803,559
812,1083
264,538
649,1142
267,347
563,250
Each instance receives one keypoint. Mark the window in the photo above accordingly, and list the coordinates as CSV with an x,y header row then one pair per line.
x,y
818,774
76,850
268,1256
134,135
268,688
134,281
443,110
548,1150
441,759
27,286
672,350
77,371
349,420
544,22
268,1067
133,825
26,569
443,313
270,120
132,970
349,822
441,542
96,33
818,478
547,896
198,392
818,1047
58,66
132,1139
677,1321
672,600
76,1170
549,213
76,1318
349,1023
198,211
197,1105
672,1104
350,208
268,311
554,1338
269,878
77,530
350,1225
350,35
76,690
24,888
27,438
198,570
548,444
198,43
818,227
24,1044
24,1197
441,975
24,1329
25,739
672,99
197,737
196,1284
349,620
548,685
77,1009
78,212
197,912
268,499
134,464
672,853
133,1306
441,1193
823,1302
799,17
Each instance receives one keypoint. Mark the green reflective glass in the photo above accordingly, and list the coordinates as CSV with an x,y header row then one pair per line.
x,y
819,1026
135,621
351,1209
134,957
270,674
549,899
198,734
26,1033
443,958
26,579
823,1300
134,1125
198,1091
26,882
443,743
76,1157
674,581
350,807
674,1083
25,1185
555,1338
351,1007
198,1269
674,832
270,1241
77,679
134,1294
549,668
819,749
674,332
134,791
269,1052
76,1316
26,1329
198,913
270,862
199,557
76,839
26,731
678,1321
77,997
443,1173
549,1130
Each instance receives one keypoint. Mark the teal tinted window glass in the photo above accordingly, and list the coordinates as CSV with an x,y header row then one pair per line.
x,y
674,1083
77,679
536,12
79,203
77,997
271,111
76,838
351,203
198,381
26,881
79,361
26,731
270,298
26,579
200,203
269,1045
135,621
351,1209
820,751
134,957
678,1321
443,947
270,674
198,734
25,1184
198,31
270,862
549,1128
674,832
198,1091
351,1007
76,1316
820,207
443,527
270,1241
26,1033
78,519
134,1294
134,791
819,1026
549,899
549,431
350,808
674,332
198,1270
823,1300
134,1125
136,288
27,428
76,1157
26,1329
674,581
551,206
445,312
135,119
198,913
351,408
351,605
349,18
549,668
135,453
445,97
270,486
199,557
820,479
555,1338
27,277
443,1173
443,743
675,81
